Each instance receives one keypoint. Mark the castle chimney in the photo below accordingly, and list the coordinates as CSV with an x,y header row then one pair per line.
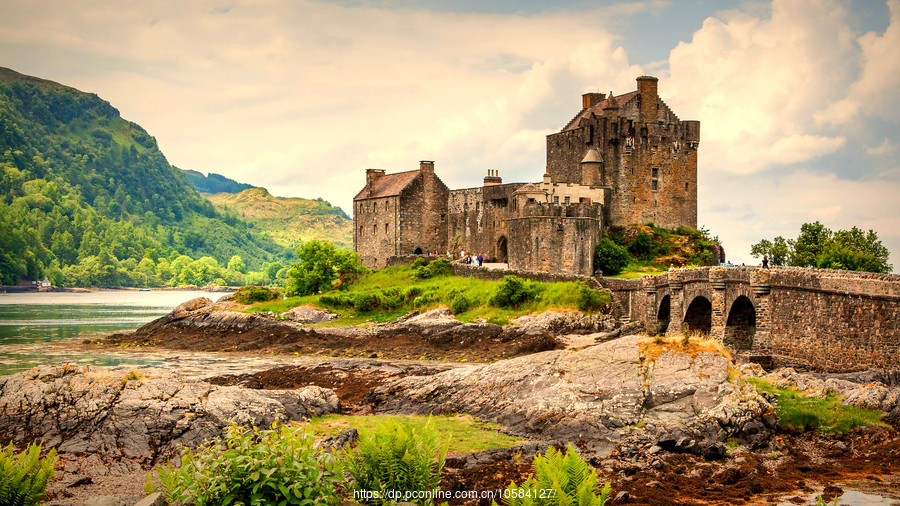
x,y
647,89
372,175
426,167
589,100
493,178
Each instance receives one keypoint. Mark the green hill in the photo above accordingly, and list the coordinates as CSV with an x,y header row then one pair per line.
x,y
288,221
214,183
86,197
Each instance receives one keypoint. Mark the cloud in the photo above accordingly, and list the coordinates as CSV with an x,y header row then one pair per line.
x,y
303,96
756,81
884,148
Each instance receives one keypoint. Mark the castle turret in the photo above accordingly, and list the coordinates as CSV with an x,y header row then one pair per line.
x,y
591,168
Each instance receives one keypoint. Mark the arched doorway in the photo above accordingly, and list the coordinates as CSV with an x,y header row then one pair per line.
x,y
501,249
418,251
663,315
741,324
699,315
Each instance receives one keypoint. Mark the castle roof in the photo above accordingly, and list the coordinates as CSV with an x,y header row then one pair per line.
x,y
598,108
388,185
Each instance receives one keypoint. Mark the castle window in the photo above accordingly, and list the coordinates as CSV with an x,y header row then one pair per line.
x,y
556,199
655,172
654,181
530,200
685,187
360,230
443,218
374,229
590,139
654,185
567,200
385,228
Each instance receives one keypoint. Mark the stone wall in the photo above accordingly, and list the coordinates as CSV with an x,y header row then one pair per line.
x,y
423,214
472,271
479,220
555,238
376,224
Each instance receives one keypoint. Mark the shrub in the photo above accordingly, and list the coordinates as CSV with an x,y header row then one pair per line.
x,y
559,478
609,257
460,304
419,262
514,291
642,245
412,292
252,466
24,478
363,302
589,299
336,300
439,267
251,294
390,298
424,299
396,457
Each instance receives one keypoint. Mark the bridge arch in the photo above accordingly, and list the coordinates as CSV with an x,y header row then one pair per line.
x,y
663,314
698,317
502,251
417,251
741,324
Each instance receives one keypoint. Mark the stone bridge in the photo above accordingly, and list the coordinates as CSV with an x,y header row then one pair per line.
x,y
821,319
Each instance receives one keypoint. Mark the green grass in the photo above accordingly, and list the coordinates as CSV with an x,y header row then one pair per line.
x,y
435,292
828,415
463,433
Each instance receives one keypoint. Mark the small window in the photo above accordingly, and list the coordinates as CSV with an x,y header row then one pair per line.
x,y
567,200
443,218
654,185
374,229
655,172
556,199
385,228
360,230
530,199
685,187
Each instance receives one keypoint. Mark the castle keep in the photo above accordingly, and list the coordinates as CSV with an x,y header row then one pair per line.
x,y
621,160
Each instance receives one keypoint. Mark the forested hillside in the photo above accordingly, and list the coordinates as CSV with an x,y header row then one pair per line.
x,y
87,198
214,183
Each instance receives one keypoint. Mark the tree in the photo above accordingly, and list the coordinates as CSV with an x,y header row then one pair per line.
x,y
609,257
320,265
237,264
817,246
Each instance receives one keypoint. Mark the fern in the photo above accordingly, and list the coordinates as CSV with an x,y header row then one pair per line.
x,y
24,478
559,479
396,457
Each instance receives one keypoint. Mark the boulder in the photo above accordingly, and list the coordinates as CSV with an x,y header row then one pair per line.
x,y
593,395
308,314
90,411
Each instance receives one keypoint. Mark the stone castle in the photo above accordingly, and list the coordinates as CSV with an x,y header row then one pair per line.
x,y
621,160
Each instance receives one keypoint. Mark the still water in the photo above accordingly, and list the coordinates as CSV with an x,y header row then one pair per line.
x,y
41,328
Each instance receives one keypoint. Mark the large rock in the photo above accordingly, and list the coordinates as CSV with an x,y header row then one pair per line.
x,y
594,395
92,411
308,314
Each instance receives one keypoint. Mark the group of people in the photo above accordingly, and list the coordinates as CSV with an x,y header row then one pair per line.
x,y
475,260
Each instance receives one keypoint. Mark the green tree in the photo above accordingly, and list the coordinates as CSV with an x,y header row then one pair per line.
x,y
320,265
609,257
237,264
813,239
817,246
778,250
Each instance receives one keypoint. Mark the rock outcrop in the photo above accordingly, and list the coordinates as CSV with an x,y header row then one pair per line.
x,y
596,396
129,423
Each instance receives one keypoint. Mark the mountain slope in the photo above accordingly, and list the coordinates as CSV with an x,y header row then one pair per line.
x,y
214,183
288,221
83,189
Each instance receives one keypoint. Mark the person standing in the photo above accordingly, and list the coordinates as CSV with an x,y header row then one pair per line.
x,y
765,262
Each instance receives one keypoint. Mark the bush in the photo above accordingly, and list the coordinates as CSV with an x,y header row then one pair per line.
x,y
24,478
320,266
412,292
363,302
336,300
424,299
390,298
609,257
439,267
589,299
252,466
396,457
251,294
642,245
514,291
460,304
559,478
419,262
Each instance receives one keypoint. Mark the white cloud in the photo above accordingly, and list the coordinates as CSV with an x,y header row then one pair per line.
x,y
884,148
755,82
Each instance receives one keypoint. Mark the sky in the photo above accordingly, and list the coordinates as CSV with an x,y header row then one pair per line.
x,y
799,100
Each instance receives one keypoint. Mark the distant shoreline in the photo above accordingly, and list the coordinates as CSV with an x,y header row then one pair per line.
x,y
59,289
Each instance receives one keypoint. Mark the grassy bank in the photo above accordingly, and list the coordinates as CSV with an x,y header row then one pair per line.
x,y
386,294
462,433
828,416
